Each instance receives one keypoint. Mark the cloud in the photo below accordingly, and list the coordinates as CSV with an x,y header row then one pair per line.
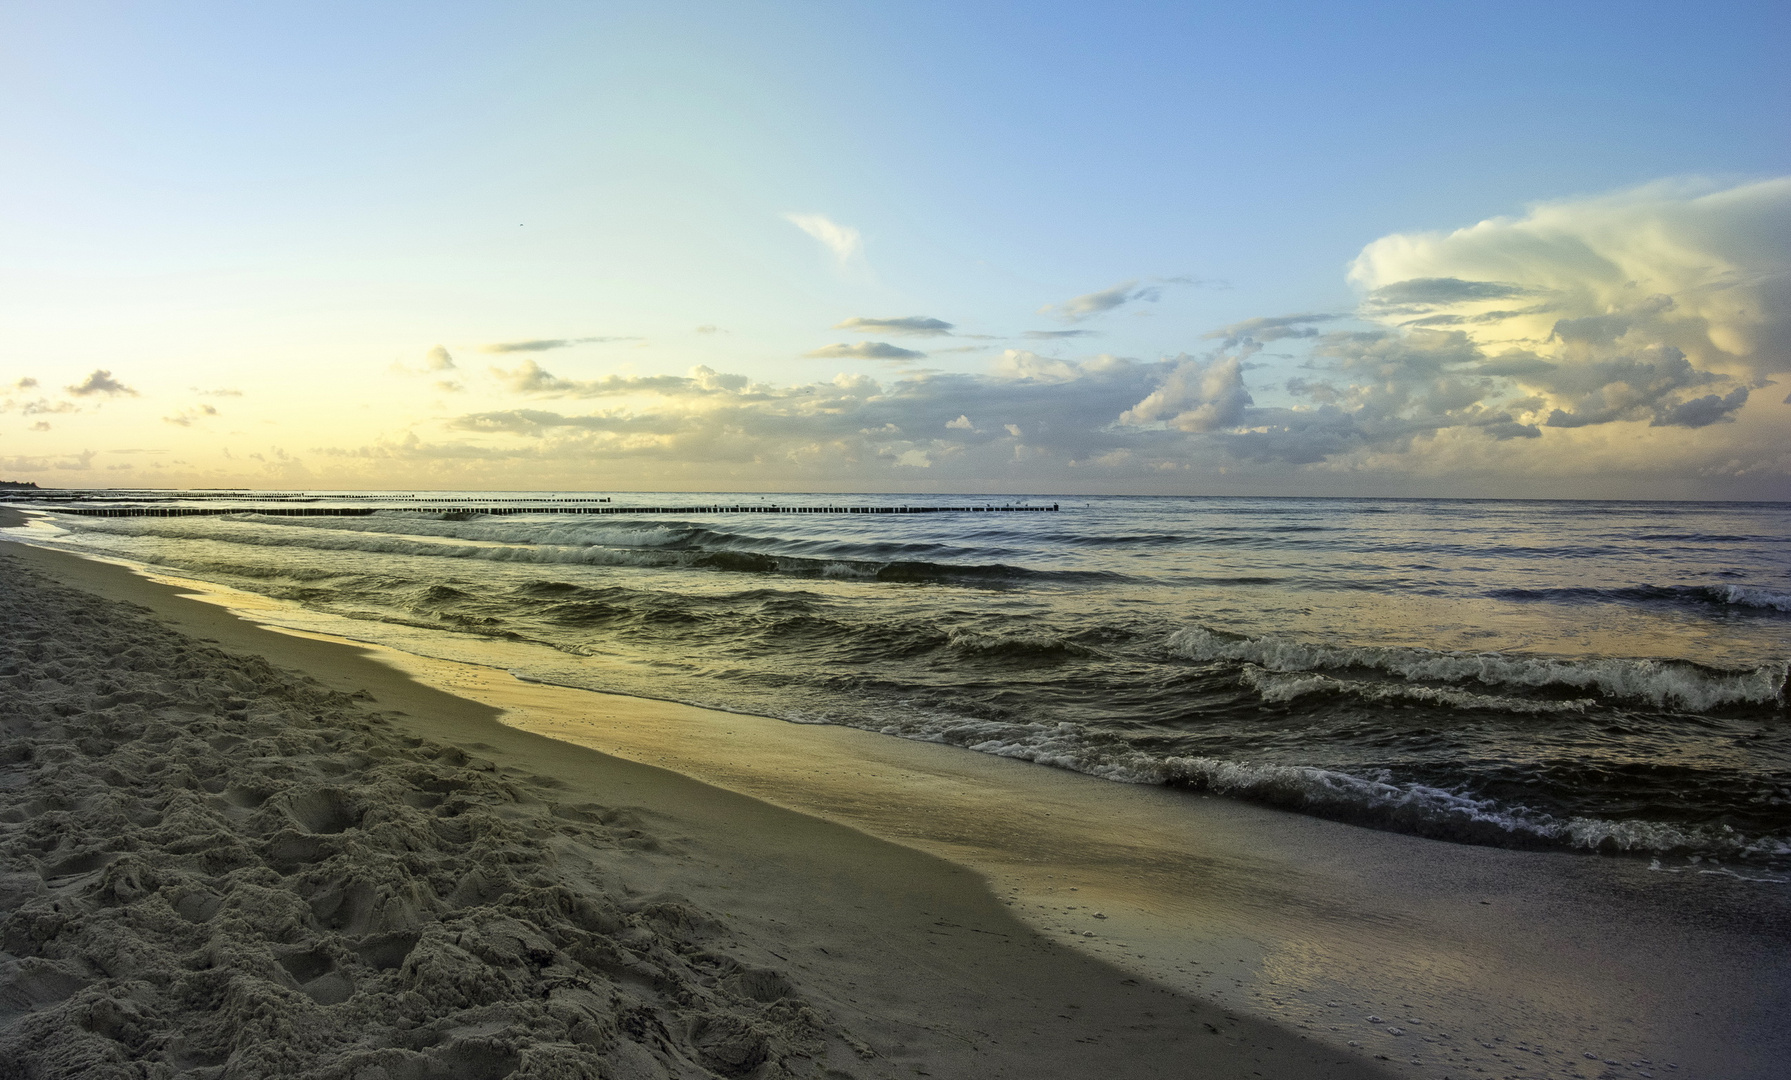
x,y
1661,305
1701,412
1199,395
1649,310
41,425
1418,294
852,429
1019,364
221,392
1646,384
39,407
536,345
1272,328
188,417
81,462
842,240
1052,335
914,325
1091,304
101,382
1703,270
1088,305
863,350
435,361
853,425
531,378
25,383
709,328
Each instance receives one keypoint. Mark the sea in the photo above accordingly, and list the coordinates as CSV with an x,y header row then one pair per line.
x,y
1585,675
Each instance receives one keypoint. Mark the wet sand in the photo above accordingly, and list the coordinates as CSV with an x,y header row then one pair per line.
x,y
412,888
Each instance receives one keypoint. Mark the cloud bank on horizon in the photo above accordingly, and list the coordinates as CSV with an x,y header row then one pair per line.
x,y
1622,344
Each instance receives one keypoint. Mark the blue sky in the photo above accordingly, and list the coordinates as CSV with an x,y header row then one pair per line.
x,y
275,212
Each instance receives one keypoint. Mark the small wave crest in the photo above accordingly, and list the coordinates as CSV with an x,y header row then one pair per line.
x,y
1447,815
1660,682
1023,646
1274,687
1747,598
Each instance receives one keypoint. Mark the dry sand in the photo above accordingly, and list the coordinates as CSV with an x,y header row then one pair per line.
x,y
229,852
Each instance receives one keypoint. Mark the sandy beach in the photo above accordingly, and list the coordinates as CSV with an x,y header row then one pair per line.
x,y
232,852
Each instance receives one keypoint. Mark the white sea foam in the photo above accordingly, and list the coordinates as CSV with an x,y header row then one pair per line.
x,y
838,569
1748,596
976,641
1281,688
1662,682
1376,799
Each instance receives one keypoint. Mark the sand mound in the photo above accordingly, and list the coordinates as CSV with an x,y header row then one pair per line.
x,y
213,868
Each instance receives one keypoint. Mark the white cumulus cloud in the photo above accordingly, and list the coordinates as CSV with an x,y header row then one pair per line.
x,y
1198,395
1707,272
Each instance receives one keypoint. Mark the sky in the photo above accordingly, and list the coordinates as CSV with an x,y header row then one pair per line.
x,y
1517,250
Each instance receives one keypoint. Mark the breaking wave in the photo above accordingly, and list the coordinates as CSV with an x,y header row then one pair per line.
x,y
1662,683
1376,801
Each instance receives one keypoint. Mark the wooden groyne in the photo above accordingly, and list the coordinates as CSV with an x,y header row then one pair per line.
x,y
479,511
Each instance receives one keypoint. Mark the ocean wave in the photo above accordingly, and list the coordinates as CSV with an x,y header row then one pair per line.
x,y
1274,687
1025,646
1448,815
1711,538
669,551
663,535
1751,598
1662,683
1744,596
1134,540
1375,801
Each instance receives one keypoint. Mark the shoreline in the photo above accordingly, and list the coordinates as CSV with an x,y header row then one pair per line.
x,y
1293,919
938,978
